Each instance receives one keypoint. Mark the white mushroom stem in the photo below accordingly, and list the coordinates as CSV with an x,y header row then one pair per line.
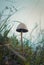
x,y
22,42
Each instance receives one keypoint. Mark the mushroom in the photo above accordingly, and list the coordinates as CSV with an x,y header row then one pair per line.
x,y
23,29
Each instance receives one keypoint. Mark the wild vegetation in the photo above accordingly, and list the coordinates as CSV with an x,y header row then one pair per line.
x,y
33,56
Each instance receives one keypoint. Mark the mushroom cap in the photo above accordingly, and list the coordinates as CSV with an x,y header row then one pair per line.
x,y
22,28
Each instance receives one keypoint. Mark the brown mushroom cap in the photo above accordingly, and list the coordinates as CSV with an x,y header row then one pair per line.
x,y
22,28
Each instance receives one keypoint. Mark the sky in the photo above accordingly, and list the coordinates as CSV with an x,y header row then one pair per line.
x,y
30,12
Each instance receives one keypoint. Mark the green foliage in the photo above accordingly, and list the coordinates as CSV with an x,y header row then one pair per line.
x,y
33,57
15,42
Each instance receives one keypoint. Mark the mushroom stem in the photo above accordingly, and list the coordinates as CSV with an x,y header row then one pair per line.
x,y
22,43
